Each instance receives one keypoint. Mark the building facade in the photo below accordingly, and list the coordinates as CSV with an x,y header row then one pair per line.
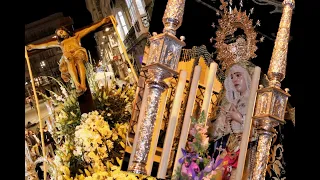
x,y
44,62
132,18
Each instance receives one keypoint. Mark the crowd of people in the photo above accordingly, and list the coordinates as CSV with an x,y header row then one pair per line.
x,y
33,141
29,101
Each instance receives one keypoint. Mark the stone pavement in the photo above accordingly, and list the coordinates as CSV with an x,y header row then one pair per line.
x,y
31,115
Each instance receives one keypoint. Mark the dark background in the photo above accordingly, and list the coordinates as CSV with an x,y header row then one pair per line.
x,y
76,9
196,27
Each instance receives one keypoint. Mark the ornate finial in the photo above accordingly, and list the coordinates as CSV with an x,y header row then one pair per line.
x,y
182,38
173,15
286,90
278,63
289,2
245,46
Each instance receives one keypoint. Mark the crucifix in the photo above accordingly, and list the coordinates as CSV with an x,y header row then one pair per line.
x,y
73,58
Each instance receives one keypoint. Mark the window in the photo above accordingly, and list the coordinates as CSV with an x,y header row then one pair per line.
x,y
131,11
141,8
122,23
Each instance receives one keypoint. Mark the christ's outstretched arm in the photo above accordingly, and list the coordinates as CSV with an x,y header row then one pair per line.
x,y
47,45
87,30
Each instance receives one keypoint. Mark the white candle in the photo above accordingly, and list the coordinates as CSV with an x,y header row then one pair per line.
x,y
248,122
187,116
156,131
170,132
209,89
141,116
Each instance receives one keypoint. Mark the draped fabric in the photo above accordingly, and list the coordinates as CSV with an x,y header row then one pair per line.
x,y
279,164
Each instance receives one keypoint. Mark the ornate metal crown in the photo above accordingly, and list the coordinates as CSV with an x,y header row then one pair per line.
x,y
244,48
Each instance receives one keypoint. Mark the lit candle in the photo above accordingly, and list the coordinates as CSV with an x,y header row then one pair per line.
x,y
187,116
165,155
209,88
248,122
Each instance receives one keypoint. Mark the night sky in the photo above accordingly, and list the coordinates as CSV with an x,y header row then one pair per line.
x,y
196,27
76,9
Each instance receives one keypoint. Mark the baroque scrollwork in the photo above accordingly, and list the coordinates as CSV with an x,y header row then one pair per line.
x,y
244,48
275,167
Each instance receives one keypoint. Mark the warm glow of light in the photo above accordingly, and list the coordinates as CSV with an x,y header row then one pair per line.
x,y
107,29
42,64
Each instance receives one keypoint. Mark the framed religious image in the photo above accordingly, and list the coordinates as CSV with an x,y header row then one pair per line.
x,y
113,40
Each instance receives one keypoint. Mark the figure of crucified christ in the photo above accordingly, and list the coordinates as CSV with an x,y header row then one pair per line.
x,y
73,54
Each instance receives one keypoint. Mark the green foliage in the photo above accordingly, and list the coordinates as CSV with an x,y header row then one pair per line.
x,y
68,116
178,176
200,140
76,163
115,105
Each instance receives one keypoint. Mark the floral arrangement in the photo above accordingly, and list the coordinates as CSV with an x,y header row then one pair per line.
x,y
196,163
115,104
90,146
200,140
97,143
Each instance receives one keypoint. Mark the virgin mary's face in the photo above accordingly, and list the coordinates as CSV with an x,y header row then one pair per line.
x,y
238,81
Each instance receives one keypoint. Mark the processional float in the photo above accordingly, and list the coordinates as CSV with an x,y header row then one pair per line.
x,y
162,62
266,106
69,60
165,49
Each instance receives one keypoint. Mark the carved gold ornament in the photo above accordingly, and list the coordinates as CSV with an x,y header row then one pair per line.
x,y
242,49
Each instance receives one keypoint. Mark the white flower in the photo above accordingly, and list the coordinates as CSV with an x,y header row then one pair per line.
x,y
64,91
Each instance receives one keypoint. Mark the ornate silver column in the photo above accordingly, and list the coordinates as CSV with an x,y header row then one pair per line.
x,y
272,100
164,55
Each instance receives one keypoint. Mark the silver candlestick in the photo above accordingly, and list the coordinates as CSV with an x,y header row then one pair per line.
x,y
163,59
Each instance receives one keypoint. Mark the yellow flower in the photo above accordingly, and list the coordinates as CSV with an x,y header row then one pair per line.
x,y
109,144
108,134
114,136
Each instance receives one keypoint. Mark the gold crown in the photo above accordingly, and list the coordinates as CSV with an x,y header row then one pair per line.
x,y
242,49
